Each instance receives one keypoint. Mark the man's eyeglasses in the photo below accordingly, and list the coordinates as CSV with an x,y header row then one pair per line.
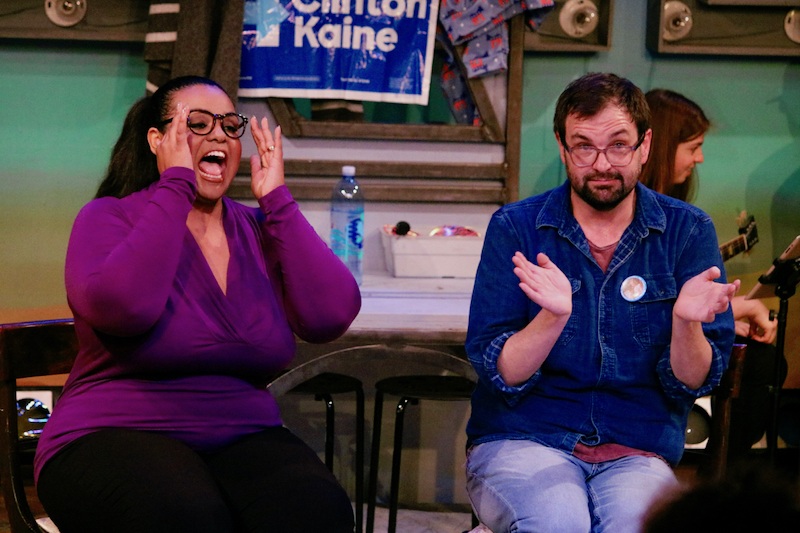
x,y
203,122
617,155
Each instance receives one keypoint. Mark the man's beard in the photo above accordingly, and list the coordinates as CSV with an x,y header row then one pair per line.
x,y
600,202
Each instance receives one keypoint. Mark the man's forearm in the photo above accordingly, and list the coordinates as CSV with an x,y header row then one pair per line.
x,y
525,351
690,352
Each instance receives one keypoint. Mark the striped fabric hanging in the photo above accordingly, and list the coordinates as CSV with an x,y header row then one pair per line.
x,y
195,37
162,32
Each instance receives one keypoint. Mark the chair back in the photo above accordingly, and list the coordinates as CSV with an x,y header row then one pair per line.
x,y
28,349
373,354
722,396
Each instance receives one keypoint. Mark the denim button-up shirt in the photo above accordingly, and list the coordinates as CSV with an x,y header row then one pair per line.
x,y
608,379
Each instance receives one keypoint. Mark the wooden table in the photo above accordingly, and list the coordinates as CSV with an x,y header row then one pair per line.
x,y
418,320
411,311
395,312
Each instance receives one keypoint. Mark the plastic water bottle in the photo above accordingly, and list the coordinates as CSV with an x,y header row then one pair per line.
x,y
347,222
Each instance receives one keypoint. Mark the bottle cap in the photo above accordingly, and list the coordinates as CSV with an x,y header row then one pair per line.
x,y
348,170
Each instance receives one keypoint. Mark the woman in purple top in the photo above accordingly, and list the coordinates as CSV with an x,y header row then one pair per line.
x,y
185,304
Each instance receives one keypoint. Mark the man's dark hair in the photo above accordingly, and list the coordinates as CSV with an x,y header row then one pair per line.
x,y
589,94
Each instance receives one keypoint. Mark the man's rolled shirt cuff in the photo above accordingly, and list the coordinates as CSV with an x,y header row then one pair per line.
x,y
511,395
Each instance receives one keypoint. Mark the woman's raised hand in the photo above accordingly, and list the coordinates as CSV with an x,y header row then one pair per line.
x,y
172,150
266,166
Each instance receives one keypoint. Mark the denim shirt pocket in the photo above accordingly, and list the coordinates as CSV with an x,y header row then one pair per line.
x,y
571,329
651,315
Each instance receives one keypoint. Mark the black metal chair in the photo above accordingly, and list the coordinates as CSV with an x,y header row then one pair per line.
x,y
410,389
28,349
323,386
374,355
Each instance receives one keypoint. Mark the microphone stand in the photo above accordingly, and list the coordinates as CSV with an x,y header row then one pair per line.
x,y
785,275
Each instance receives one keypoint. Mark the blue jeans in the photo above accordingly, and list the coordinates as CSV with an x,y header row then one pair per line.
x,y
520,486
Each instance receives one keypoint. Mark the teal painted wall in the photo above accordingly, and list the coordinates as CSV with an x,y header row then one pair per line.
x,y
62,108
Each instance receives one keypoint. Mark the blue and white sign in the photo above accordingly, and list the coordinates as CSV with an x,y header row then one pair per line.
x,y
375,50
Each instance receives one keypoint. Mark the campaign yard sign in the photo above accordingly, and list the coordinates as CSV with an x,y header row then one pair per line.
x,y
375,50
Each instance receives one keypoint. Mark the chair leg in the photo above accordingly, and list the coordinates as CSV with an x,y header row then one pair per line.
x,y
330,421
394,488
719,441
372,489
359,460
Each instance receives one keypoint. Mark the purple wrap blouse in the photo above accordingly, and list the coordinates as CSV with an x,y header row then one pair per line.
x,y
162,348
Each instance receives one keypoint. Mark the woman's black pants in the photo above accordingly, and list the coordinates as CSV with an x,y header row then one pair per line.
x,y
119,481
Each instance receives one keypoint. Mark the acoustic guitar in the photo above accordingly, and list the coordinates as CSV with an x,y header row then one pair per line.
x,y
748,236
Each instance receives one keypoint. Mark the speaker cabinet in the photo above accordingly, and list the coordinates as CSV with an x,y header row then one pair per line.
x,y
85,20
698,426
574,26
789,419
749,27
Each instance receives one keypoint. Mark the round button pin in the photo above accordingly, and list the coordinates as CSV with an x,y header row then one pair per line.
x,y
633,288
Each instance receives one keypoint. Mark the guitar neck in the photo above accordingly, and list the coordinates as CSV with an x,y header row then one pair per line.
x,y
733,247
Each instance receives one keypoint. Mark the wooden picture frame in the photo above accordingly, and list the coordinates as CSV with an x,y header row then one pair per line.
x,y
401,181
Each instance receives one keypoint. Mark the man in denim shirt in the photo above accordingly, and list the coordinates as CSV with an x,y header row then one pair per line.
x,y
600,312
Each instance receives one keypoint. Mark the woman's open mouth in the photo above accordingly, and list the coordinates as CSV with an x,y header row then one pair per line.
x,y
212,166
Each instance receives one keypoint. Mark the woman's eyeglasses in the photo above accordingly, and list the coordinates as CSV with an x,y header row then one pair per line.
x,y
202,122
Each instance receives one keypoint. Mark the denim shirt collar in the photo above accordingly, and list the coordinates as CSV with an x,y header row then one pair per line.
x,y
557,212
